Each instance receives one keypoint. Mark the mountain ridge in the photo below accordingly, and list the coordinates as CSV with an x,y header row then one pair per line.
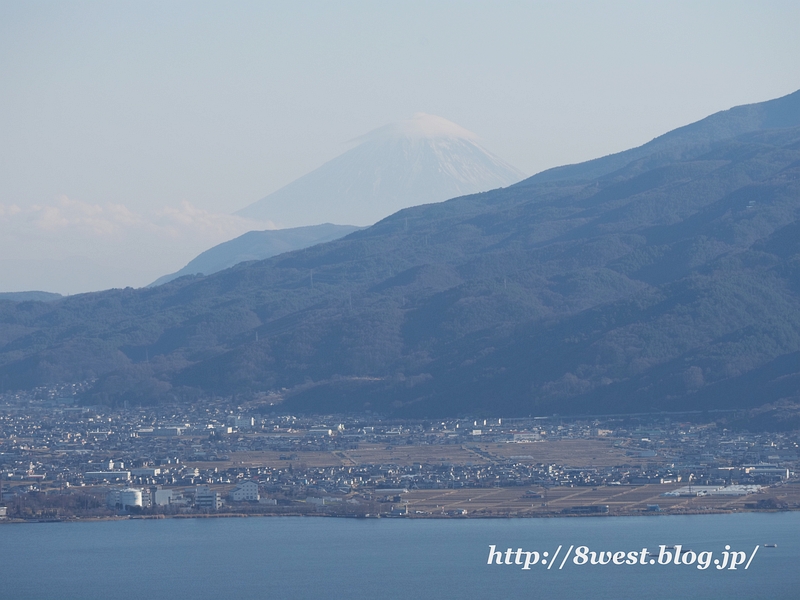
x,y
257,245
696,137
422,160
33,295
666,284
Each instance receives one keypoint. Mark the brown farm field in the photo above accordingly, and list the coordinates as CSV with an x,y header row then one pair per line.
x,y
583,453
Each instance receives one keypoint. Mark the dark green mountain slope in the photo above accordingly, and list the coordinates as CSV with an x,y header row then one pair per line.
x,y
666,285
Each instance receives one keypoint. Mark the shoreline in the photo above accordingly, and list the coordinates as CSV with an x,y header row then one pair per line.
x,y
223,515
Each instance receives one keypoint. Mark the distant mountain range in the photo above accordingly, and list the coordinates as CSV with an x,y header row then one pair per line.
x,y
257,245
422,160
664,278
30,296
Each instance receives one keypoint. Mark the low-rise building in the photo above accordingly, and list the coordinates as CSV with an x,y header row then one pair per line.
x,y
247,491
146,472
205,498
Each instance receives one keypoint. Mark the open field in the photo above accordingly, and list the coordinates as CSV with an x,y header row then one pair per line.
x,y
365,454
577,453
620,500
584,453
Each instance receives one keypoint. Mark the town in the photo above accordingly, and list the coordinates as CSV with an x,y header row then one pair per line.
x,y
60,460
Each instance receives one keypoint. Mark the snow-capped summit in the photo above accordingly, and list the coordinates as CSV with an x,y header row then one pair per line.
x,y
417,161
420,126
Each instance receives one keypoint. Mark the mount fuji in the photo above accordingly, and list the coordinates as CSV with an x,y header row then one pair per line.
x,y
421,160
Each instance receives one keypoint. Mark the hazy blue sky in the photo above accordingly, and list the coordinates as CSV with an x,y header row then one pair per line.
x,y
126,128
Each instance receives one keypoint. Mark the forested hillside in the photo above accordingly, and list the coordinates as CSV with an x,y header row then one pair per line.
x,y
667,284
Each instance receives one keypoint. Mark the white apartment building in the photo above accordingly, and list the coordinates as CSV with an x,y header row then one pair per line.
x,y
247,491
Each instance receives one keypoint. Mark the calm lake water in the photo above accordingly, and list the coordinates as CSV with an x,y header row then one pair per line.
x,y
391,558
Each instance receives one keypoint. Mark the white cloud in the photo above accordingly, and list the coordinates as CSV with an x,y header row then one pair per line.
x,y
7,212
186,218
64,213
109,244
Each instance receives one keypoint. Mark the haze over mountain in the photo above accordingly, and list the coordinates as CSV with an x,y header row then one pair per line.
x,y
257,245
71,246
418,161
669,283
28,296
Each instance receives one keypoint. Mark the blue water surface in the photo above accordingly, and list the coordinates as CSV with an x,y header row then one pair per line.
x,y
296,557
